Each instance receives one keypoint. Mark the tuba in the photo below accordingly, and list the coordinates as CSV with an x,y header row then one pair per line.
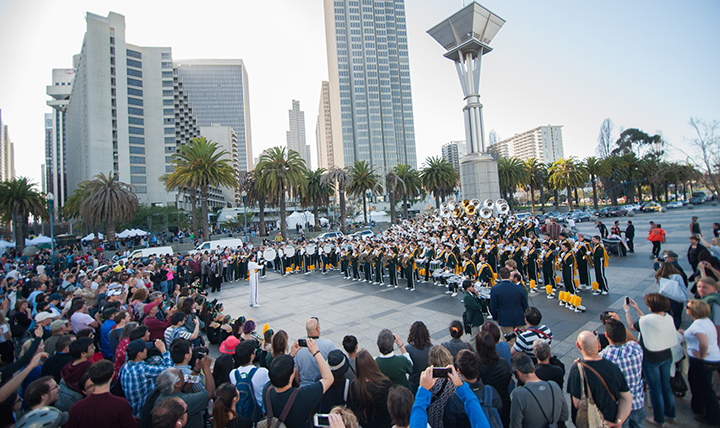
x,y
488,203
457,212
485,212
470,210
502,206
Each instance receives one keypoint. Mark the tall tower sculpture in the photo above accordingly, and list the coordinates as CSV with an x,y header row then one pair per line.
x,y
466,37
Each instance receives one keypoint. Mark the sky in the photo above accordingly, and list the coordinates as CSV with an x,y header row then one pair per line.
x,y
647,64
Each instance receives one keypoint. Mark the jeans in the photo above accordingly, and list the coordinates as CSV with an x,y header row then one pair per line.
x,y
657,247
676,310
704,401
657,376
636,419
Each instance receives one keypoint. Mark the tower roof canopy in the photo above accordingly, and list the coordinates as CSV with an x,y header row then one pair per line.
x,y
470,29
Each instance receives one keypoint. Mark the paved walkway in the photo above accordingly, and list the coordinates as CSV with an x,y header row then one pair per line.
x,y
347,307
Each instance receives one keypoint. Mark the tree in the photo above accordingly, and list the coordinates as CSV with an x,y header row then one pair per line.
x,y
249,184
362,178
106,199
567,174
604,147
439,177
596,168
19,199
512,172
636,141
536,173
316,192
280,171
393,184
707,145
178,183
341,177
201,164
411,190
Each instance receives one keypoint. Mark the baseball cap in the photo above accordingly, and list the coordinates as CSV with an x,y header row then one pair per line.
x,y
55,296
154,295
229,345
42,316
672,254
58,325
338,361
136,346
147,308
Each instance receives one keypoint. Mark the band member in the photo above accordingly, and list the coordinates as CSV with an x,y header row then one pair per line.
x,y
451,260
532,263
307,260
378,261
254,268
600,260
518,255
568,267
345,263
548,264
581,257
469,269
428,254
407,263
392,261
325,260
367,265
354,260
486,275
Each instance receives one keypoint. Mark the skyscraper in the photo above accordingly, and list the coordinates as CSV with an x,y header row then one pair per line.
x,y
324,132
218,92
55,133
226,138
453,152
7,153
296,134
543,143
369,82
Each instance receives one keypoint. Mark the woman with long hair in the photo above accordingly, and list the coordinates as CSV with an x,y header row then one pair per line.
x,y
704,358
279,346
494,371
121,350
443,389
224,415
418,346
669,271
369,393
502,348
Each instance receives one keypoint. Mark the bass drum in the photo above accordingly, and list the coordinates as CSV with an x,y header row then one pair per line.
x,y
289,251
328,248
269,254
311,249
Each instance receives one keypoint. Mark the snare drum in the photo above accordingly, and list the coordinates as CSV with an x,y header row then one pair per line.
x,y
438,273
435,265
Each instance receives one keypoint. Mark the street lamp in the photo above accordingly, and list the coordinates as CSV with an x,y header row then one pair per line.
x,y
244,195
369,197
51,199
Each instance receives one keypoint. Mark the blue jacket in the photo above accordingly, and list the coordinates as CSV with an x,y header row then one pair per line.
x,y
419,417
508,304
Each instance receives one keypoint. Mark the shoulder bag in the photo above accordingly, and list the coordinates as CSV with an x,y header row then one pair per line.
x,y
588,414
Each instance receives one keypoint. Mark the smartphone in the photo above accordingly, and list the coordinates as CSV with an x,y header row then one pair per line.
x,y
627,300
441,372
303,344
321,420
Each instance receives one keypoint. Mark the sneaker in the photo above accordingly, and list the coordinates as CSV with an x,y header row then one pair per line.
x,y
412,289
605,293
489,316
448,292
256,306
453,295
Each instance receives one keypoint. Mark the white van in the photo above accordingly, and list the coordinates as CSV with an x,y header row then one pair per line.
x,y
213,245
147,252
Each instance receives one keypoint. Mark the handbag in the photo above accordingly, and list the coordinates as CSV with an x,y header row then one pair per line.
x,y
671,288
588,413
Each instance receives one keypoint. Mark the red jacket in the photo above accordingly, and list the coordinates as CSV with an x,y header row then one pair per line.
x,y
656,234
156,327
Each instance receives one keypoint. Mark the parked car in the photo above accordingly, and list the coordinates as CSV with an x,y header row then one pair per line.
x,y
651,206
580,216
331,235
522,216
616,211
675,204
696,200
362,233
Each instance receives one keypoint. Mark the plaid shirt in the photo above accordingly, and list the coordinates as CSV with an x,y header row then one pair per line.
x,y
629,357
138,380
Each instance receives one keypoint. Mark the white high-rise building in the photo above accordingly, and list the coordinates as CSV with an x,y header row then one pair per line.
x,y
7,153
296,134
324,132
218,91
369,82
543,143
453,152
55,134
226,138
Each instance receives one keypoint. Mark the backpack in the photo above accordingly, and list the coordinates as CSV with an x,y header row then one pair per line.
x,y
247,405
491,414
271,421
467,325
551,420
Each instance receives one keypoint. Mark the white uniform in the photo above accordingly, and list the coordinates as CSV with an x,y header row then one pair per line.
x,y
254,273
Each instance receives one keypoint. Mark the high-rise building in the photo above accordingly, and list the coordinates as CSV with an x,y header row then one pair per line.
x,y
7,153
226,138
453,152
369,82
543,143
324,131
218,92
55,134
296,134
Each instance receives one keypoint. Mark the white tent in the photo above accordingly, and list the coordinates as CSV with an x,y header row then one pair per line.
x,y
91,236
300,218
124,234
324,221
39,240
138,232
376,216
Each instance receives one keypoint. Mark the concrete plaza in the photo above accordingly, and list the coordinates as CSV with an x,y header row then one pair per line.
x,y
348,307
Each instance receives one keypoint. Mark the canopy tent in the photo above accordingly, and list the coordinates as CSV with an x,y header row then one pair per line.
x,y
376,216
300,218
6,243
39,240
138,232
129,233
91,236
324,221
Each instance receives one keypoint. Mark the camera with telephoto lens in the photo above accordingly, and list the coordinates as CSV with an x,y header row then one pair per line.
x,y
513,335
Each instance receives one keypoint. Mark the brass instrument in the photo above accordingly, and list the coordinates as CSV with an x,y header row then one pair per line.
x,y
457,212
404,261
470,210
465,203
485,212
475,203
488,203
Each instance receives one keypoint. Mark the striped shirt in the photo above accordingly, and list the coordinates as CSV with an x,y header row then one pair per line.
x,y
629,357
525,340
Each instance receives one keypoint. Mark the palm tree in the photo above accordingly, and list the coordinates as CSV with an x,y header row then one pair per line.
x,y
201,164
249,184
106,199
512,172
362,178
536,173
439,177
341,177
411,190
596,168
317,192
393,185
178,183
567,174
18,200
280,171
